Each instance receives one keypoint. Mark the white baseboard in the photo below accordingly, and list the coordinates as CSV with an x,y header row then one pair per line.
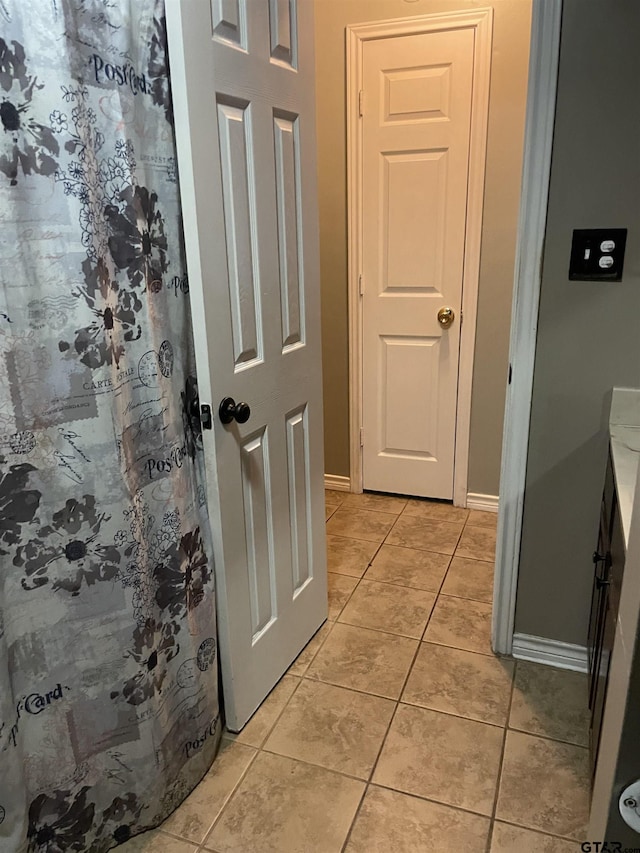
x,y
337,482
488,503
550,652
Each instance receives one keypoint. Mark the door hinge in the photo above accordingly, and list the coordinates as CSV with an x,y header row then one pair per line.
x,y
361,437
461,317
361,285
361,102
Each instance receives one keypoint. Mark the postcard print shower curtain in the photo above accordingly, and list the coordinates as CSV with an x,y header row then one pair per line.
x,y
108,665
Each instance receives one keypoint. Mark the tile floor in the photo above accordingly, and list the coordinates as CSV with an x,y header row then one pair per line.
x,y
396,729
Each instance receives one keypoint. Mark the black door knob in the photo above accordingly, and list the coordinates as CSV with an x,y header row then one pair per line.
x,y
230,410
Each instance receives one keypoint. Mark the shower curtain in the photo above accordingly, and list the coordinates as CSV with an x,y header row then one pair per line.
x,y
108,655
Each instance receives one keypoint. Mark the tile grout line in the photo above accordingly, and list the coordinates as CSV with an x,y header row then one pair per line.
x,y
351,594
501,763
381,630
308,763
395,710
549,738
258,750
394,583
435,601
406,678
539,831
424,799
401,701
374,765
355,818
327,621
229,798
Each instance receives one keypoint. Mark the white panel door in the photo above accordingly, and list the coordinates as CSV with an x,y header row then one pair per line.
x,y
415,154
243,90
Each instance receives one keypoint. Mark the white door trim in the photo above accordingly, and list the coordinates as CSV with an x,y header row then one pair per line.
x,y
541,103
481,21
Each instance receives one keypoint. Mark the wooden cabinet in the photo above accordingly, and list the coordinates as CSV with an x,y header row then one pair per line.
x,y
608,562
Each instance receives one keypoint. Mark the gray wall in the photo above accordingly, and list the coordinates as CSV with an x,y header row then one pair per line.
x,y
509,68
588,333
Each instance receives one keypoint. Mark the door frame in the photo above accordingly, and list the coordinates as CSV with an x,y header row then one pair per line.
x,y
481,22
536,172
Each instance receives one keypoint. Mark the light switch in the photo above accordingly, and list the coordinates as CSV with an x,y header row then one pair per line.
x,y
597,254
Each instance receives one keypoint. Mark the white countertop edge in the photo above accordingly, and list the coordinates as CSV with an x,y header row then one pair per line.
x,y
624,432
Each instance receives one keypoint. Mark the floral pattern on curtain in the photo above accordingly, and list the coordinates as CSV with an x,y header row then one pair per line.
x,y
109,709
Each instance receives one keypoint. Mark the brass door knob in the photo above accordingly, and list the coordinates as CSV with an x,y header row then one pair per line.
x,y
446,317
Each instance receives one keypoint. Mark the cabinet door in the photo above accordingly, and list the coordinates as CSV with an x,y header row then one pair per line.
x,y
601,559
611,586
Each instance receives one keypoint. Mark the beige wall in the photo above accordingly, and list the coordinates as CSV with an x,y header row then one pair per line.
x,y
502,192
587,331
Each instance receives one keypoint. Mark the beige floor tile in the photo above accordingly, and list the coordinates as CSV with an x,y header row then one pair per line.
x,y
340,588
435,511
462,683
442,758
285,806
478,543
349,556
364,660
480,518
329,509
375,501
515,839
391,822
545,785
460,623
336,728
360,524
551,702
408,567
301,663
156,842
386,607
470,579
195,817
439,536
334,497
256,730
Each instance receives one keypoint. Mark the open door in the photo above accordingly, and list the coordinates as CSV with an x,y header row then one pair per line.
x,y
242,77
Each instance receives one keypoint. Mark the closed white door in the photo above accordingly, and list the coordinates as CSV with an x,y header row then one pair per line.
x,y
416,109
243,89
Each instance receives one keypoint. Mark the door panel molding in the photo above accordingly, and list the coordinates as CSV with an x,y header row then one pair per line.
x,y
481,22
